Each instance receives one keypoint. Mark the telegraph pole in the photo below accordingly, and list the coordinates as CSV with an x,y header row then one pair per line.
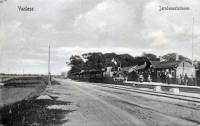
x,y
192,39
49,72
194,70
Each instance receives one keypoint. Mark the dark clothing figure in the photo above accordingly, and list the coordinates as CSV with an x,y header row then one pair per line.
x,y
181,80
145,75
186,79
163,77
133,76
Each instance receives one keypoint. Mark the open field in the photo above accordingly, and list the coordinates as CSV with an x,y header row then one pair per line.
x,y
25,81
20,88
18,103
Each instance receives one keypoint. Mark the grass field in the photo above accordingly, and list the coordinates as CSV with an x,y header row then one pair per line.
x,y
26,81
33,112
19,106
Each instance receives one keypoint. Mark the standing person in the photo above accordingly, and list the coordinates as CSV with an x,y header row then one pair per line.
x,y
193,80
186,79
163,77
181,79
169,76
149,78
145,75
141,78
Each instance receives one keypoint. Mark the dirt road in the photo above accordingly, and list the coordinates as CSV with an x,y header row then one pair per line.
x,y
94,105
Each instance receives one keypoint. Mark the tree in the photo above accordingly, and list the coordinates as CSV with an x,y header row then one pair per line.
x,y
140,60
123,60
94,61
126,60
151,56
197,64
172,57
76,63
109,57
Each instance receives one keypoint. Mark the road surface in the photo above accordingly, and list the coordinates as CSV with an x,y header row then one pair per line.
x,y
95,105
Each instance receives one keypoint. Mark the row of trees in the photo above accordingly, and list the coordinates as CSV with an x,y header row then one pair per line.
x,y
98,60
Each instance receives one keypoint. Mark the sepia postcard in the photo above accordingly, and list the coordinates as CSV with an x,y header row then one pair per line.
x,y
99,63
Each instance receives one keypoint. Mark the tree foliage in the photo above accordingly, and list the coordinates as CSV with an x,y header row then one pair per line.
x,y
172,57
94,61
98,60
76,63
151,56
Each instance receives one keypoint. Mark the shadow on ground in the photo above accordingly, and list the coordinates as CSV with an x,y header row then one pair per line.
x,y
33,112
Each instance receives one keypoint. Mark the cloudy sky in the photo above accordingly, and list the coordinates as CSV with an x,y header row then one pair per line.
x,y
79,26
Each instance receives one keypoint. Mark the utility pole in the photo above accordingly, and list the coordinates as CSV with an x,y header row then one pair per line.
x,y
192,40
193,70
49,72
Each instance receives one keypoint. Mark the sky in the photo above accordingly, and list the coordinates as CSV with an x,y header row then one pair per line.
x,y
80,26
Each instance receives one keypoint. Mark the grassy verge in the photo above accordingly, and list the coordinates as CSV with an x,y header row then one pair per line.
x,y
33,112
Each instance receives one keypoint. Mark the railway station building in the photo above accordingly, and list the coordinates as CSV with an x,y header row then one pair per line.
x,y
171,72
179,72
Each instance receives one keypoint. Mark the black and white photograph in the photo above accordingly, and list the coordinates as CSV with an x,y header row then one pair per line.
x,y
99,63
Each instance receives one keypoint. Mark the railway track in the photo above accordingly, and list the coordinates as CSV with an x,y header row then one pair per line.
x,y
161,94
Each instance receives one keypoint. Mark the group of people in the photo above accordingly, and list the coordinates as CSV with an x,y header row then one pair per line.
x,y
183,80
144,77
166,77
